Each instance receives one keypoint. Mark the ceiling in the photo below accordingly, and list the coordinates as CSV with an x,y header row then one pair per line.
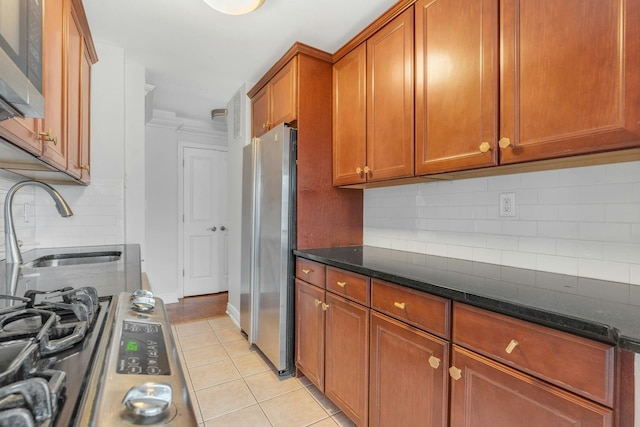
x,y
197,58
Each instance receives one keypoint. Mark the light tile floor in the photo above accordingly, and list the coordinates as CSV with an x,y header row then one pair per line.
x,y
232,384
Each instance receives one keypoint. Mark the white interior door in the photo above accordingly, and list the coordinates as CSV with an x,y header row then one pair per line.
x,y
205,232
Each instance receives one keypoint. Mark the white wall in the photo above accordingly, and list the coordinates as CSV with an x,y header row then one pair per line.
x,y
237,138
117,121
162,136
582,221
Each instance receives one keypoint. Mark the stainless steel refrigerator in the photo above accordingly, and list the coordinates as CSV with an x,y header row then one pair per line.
x,y
268,239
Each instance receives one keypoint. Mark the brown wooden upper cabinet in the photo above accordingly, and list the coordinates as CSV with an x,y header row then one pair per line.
x,y
373,107
456,84
496,82
570,77
277,101
61,139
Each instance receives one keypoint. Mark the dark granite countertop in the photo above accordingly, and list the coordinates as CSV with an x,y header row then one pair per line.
x,y
597,309
109,278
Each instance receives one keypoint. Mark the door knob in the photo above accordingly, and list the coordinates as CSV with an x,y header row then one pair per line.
x,y
222,228
213,228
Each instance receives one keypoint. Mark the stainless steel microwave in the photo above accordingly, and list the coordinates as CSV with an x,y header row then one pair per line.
x,y
21,58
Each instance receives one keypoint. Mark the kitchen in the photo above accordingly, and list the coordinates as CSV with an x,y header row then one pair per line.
x,y
572,221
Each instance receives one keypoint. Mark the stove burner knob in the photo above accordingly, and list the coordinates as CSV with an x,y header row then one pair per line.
x,y
143,304
141,293
142,301
148,400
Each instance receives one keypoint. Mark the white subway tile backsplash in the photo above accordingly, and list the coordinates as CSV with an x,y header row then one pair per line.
x,y
582,176
537,245
607,193
559,196
491,256
503,243
582,213
623,172
606,232
539,179
580,249
582,221
557,264
621,252
605,270
618,212
559,230
520,228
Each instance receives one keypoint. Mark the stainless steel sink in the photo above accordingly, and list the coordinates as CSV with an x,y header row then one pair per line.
x,y
59,260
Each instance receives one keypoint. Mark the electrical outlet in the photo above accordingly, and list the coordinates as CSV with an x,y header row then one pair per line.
x,y
507,204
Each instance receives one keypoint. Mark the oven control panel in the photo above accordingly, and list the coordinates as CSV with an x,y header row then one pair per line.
x,y
142,350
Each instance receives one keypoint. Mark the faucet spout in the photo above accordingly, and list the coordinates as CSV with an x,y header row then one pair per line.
x,y
13,255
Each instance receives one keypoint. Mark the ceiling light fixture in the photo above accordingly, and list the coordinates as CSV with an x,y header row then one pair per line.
x,y
234,7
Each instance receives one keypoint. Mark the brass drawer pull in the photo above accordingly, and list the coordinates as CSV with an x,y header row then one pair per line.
x,y
434,362
512,345
342,284
47,136
306,270
400,305
455,373
504,142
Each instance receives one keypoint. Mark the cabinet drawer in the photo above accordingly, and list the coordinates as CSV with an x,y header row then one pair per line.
x,y
350,285
581,365
310,271
420,309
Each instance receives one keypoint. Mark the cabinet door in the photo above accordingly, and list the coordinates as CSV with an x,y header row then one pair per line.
x,y
350,117
260,112
409,379
347,357
23,132
310,332
487,393
53,83
390,100
570,81
456,84
74,93
284,94
85,111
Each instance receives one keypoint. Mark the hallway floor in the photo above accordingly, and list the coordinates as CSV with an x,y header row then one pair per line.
x,y
232,384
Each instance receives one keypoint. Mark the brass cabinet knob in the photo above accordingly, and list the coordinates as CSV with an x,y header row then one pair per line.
x,y
85,167
47,136
341,284
455,373
512,345
317,302
400,305
504,142
484,147
367,169
359,170
325,306
434,362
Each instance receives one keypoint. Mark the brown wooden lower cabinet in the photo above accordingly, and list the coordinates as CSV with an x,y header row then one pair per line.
x,y
489,394
347,357
408,374
310,332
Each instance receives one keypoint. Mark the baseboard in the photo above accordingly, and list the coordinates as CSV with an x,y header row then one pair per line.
x,y
234,314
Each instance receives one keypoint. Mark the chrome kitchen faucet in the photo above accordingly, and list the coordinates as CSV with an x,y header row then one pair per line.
x,y
13,255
